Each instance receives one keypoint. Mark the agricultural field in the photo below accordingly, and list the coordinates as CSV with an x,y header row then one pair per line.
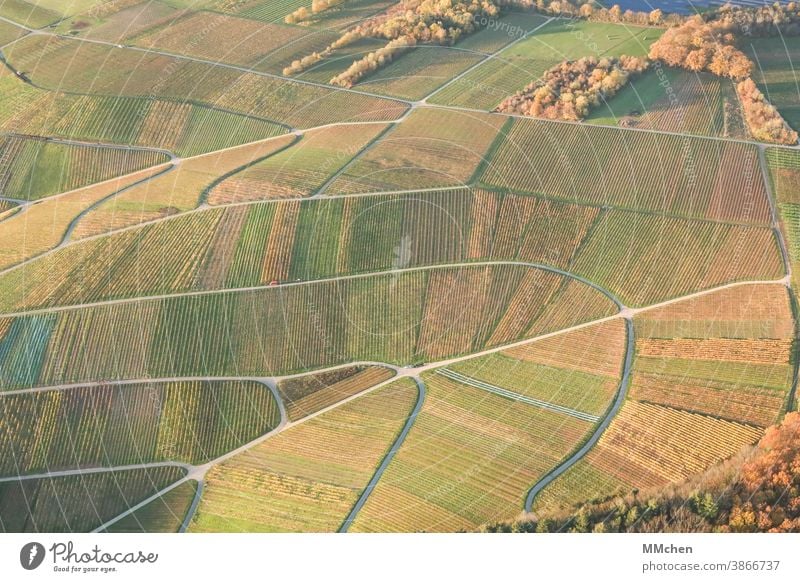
x,y
270,274
300,170
31,169
308,394
94,70
41,227
78,503
784,169
697,104
181,189
125,424
185,128
165,514
431,314
308,477
578,370
469,459
532,53
709,375
680,176
432,149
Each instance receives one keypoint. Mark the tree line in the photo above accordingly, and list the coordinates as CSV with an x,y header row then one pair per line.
x,y
572,88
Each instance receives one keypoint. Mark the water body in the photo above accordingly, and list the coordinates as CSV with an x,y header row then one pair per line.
x,y
680,6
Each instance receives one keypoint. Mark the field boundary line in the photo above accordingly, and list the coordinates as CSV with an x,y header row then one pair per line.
x,y
93,470
387,459
616,405
387,272
498,391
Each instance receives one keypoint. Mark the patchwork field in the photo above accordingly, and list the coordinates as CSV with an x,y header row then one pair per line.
x,y
709,375
77,503
114,425
396,318
578,370
43,226
309,394
182,189
308,477
185,127
96,70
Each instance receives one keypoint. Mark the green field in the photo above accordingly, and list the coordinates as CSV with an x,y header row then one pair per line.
x,y
775,74
77,503
34,169
512,69
164,514
469,458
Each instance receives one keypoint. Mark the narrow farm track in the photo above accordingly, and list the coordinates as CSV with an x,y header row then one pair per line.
x,y
92,470
491,388
619,400
193,507
94,144
139,299
76,221
362,499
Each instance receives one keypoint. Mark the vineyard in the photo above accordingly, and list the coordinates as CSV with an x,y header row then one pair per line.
x,y
681,176
231,247
184,127
644,258
40,227
176,191
308,477
112,425
395,318
579,370
309,394
710,373
77,503
165,514
300,170
29,13
61,64
9,32
469,458
431,149
784,168
31,169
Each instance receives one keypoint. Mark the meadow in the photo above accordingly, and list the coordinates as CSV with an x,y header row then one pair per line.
x,y
776,76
